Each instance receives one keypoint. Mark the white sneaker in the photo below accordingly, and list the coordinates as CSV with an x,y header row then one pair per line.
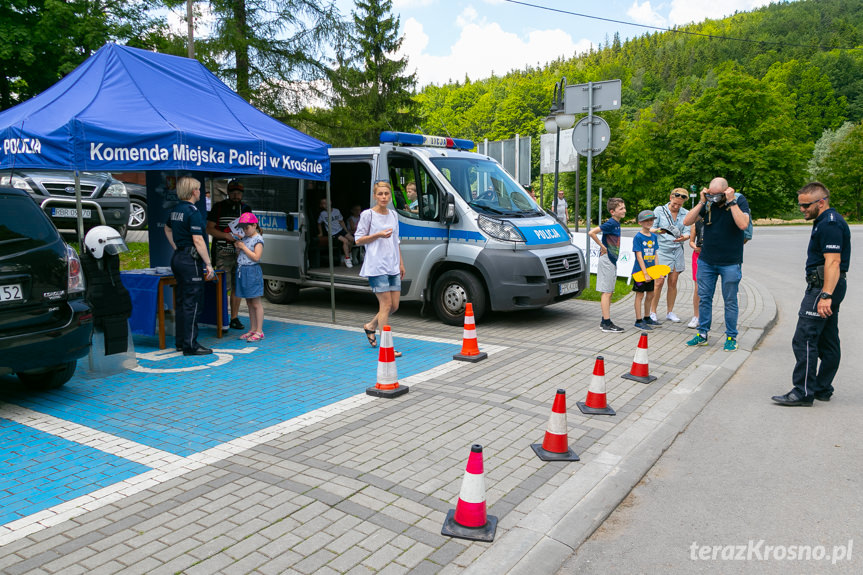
x,y
672,317
653,317
349,263
693,323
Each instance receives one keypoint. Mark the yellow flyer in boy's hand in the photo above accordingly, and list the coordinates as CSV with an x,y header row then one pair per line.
x,y
655,272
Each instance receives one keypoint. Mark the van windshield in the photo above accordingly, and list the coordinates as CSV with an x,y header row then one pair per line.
x,y
486,187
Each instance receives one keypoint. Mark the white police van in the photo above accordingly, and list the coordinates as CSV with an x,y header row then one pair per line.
x,y
471,234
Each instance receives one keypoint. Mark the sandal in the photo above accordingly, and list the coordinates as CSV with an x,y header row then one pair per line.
x,y
397,353
370,335
246,336
256,336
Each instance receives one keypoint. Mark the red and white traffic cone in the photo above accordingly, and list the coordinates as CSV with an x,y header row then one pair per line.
x,y
469,520
469,349
639,371
555,446
595,404
388,381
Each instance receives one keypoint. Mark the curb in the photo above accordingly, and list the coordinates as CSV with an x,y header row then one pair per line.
x,y
543,540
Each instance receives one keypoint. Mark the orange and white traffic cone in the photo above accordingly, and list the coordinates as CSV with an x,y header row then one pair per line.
x,y
469,520
555,446
388,381
469,349
595,404
639,371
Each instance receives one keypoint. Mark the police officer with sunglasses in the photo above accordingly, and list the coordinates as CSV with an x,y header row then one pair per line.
x,y
817,333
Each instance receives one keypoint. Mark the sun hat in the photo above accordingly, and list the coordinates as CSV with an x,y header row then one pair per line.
x,y
248,218
645,215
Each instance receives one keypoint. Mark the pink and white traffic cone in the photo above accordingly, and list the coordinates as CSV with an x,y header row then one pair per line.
x,y
596,404
555,446
469,519
639,371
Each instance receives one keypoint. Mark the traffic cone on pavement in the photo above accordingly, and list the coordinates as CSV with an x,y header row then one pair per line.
x,y
555,446
388,381
469,520
469,349
639,371
595,404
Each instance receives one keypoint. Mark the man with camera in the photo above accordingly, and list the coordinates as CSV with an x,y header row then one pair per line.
x,y
817,333
726,216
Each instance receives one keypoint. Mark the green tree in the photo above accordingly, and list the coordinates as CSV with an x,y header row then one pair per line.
x,y
815,105
842,172
372,90
824,146
745,131
271,51
43,40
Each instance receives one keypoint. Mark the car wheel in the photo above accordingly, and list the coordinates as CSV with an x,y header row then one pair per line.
x,y
137,214
48,379
280,292
452,291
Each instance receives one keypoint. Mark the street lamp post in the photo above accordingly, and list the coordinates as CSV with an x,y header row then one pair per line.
x,y
556,121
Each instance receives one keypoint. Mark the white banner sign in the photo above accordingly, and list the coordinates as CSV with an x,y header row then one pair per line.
x,y
625,260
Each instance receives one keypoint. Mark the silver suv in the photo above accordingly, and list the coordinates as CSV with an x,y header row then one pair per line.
x,y
103,197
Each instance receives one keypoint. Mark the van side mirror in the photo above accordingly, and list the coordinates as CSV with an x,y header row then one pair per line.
x,y
449,209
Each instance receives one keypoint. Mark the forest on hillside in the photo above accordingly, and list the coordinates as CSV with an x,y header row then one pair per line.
x,y
768,99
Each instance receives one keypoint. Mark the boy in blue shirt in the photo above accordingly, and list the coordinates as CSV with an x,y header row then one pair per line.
x,y
609,250
644,246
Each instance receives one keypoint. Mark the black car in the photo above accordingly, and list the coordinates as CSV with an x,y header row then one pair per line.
x,y
45,323
54,190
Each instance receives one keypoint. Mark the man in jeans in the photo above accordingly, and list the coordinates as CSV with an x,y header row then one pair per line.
x,y
725,218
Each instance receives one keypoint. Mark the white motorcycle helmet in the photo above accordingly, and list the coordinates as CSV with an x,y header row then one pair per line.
x,y
104,239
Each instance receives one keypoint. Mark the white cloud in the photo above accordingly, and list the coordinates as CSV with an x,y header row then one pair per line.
x,y
645,14
686,11
407,4
482,48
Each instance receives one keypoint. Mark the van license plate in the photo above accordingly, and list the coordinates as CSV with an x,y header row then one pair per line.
x,y
69,213
568,287
11,292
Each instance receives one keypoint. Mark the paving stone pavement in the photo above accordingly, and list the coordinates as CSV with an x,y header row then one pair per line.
x,y
365,488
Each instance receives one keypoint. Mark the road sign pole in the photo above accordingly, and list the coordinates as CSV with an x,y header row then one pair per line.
x,y
589,171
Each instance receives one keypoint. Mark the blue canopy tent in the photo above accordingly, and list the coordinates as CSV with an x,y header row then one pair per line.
x,y
126,109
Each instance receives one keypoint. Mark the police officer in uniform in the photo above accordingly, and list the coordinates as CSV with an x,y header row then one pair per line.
x,y
817,334
190,264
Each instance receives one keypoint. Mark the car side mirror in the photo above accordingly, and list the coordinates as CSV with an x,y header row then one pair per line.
x,y
448,209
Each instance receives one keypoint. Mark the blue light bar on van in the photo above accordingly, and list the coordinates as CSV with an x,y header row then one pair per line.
x,y
407,139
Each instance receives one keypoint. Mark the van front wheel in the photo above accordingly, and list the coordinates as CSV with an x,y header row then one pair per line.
x,y
280,292
452,291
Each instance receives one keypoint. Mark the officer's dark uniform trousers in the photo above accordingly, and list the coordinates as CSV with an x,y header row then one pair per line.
x,y
817,338
189,273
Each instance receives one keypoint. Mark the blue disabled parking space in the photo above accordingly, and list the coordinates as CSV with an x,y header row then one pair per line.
x,y
41,470
184,405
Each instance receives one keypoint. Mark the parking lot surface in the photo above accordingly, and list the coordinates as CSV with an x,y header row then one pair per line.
x,y
269,458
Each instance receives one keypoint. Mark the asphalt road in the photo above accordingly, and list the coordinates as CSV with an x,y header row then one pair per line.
x,y
751,483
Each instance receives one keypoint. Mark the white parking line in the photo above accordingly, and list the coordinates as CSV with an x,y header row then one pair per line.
x,y
143,454
166,466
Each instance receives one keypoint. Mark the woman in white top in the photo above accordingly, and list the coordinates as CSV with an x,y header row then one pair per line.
x,y
378,230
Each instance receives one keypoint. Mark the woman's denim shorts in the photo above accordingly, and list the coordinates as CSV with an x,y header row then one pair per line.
x,y
382,284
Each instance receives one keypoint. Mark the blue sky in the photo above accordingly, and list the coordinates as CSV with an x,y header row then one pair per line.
x,y
446,39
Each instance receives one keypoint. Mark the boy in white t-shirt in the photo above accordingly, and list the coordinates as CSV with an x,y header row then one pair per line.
x,y
338,230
